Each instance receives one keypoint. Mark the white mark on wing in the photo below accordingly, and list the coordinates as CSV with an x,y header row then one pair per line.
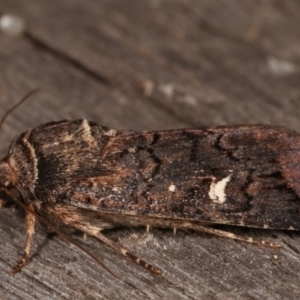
x,y
115,189
110,132
172,188
131,150
217,189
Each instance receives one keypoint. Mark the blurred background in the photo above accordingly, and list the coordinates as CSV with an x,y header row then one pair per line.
x,y
150,65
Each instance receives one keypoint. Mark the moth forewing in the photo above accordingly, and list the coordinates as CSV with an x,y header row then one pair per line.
x,y
85,176
238,175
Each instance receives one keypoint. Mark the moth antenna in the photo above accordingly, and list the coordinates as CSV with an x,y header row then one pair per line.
x,y
17,105
61,234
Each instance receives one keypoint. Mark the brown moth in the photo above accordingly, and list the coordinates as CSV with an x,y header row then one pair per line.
x,y
83,175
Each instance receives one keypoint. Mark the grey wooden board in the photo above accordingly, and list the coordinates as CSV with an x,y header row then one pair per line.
x,y
151,65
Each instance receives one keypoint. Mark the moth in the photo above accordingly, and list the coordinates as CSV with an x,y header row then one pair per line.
x,y
83,175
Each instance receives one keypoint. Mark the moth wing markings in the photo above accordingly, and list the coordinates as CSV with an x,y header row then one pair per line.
x,y
214,215
116,203
87,134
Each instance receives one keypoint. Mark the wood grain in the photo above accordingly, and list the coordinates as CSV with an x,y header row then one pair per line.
x,y
151,65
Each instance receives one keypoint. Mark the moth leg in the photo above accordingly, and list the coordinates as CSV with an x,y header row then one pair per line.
x,y
89,222
230,235
119,249
7,204
30,230
148,228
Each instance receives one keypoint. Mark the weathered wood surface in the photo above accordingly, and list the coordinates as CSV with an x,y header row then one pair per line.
x,y
151,65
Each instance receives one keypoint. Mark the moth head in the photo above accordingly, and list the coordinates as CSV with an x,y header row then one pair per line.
x,y
7,175
8,181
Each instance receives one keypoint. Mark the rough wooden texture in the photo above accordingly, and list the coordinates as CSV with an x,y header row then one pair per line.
x,y
151,65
